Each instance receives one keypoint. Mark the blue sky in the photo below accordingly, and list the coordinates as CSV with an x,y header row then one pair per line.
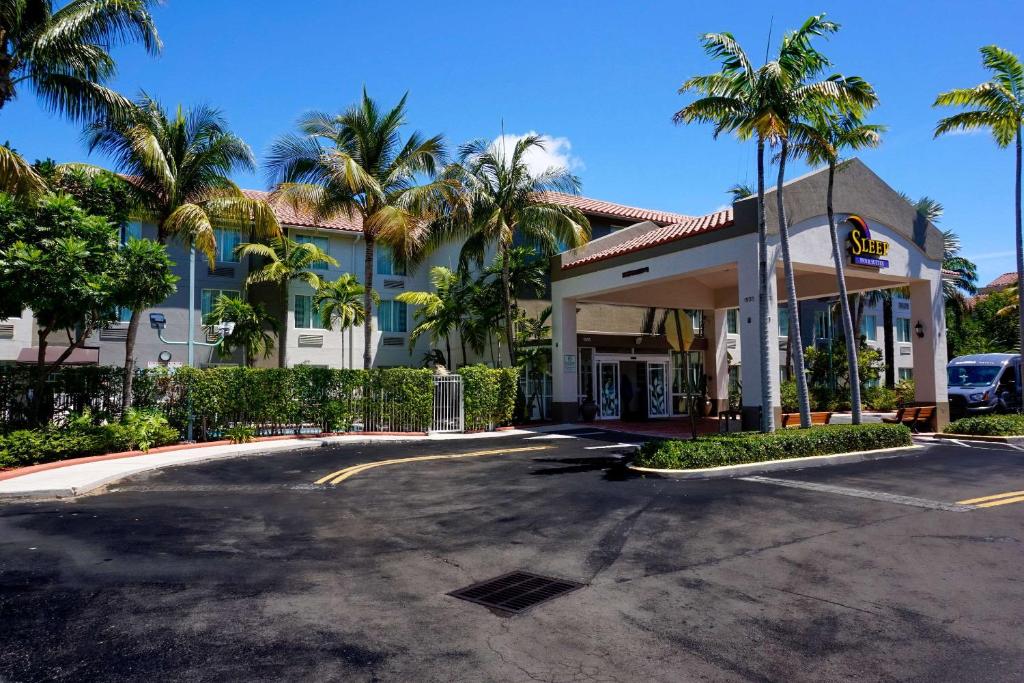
x,y
599,77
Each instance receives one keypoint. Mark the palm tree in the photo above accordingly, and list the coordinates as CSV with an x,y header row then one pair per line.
x,y
997,105
355,163
64,56
960,276
795,96
285,261
506,205
734,100
740,191
254,329
833,135
440,312
341,302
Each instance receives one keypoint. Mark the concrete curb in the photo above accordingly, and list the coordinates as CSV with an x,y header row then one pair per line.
x,y
728,471
1016,440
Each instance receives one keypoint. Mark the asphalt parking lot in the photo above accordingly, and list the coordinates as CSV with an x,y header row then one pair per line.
x,y
249,569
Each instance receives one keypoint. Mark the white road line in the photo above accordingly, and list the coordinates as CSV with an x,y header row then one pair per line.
x,y
612,445
863,493
550,436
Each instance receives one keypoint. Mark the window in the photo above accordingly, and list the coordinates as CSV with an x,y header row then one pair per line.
x,y
732,321
391,316
210,296
585,368
679,365
318,242
903,329
697,321
906,374
386,262
822,325
869,327
307,316
783,322
130,231
227,241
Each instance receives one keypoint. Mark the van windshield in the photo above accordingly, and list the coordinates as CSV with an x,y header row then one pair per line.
x,y
973,375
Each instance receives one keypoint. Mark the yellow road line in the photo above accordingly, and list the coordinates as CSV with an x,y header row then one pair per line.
x,y
994,496
343,474
1002,501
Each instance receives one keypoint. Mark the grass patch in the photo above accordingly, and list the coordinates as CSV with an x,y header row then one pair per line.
x,y
988,425
748,447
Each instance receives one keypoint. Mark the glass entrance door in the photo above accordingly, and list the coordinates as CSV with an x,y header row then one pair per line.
x,y
657,390
608,400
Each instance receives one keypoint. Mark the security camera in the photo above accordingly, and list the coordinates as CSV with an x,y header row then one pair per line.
x,y
157,321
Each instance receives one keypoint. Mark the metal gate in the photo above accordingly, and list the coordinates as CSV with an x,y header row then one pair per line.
x,y
448,414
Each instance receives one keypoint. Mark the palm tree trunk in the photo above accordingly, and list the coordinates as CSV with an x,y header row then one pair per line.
x,y
367,301
794,310
129,361
462,342
844,302
890,343
767,409
505,288
448,351
1020,246
283,340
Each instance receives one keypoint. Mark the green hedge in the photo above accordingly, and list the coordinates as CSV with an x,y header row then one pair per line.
x,y
988,425
489,395
736,449
140,429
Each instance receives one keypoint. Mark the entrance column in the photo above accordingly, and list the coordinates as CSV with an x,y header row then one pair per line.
x,y
564,359
927,307
717,362
751,358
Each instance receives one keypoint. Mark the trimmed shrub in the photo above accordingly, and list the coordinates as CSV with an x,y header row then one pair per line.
x,y
988,425
489,395
748,447
788,394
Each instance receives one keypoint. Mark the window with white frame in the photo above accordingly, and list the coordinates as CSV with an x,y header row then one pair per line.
x,y
228,240
210,296
386,264
906,374
307,316
320,243
392,316
869,327
822,325
732,321
903,329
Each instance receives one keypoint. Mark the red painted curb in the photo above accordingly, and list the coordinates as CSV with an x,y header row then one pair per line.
x,y
21,471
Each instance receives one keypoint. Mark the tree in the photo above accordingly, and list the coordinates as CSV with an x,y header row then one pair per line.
x,y
996,105
741,191
439,313
64,56
286,261
356,163
179,167
142,279
506,205
58,261
341,302
254,329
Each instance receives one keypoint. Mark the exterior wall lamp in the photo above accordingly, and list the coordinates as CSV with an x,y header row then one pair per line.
x,y
919,330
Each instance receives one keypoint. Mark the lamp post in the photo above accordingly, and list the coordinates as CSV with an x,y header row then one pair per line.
x,y
158,321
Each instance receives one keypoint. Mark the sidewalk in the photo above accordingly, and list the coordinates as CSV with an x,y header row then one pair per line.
x,y
74,479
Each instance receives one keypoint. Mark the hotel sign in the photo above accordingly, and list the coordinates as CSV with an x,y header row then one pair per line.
x,y
865,251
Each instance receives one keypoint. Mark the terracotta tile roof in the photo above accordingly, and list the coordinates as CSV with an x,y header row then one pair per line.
x,y
287,215
612,210
661,235
1004,280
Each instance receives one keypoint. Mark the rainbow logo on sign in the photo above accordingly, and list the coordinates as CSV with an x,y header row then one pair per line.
x,y
865,251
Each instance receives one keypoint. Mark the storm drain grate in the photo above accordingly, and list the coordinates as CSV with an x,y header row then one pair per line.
x,y
516,592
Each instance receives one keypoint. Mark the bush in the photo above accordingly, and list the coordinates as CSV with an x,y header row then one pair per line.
x,y
988,425
790,400
489,395
240,433
748,447
881,398
141,429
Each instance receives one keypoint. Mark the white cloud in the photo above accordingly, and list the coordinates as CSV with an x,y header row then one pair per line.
x,y
557,152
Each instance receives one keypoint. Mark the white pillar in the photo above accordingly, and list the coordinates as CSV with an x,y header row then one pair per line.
x,y
927,306
750,338
564,358
717,360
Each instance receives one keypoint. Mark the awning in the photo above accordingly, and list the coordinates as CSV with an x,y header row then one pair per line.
x,y
83,356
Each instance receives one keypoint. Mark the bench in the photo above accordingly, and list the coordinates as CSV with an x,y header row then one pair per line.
x,y
912,416
792,420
